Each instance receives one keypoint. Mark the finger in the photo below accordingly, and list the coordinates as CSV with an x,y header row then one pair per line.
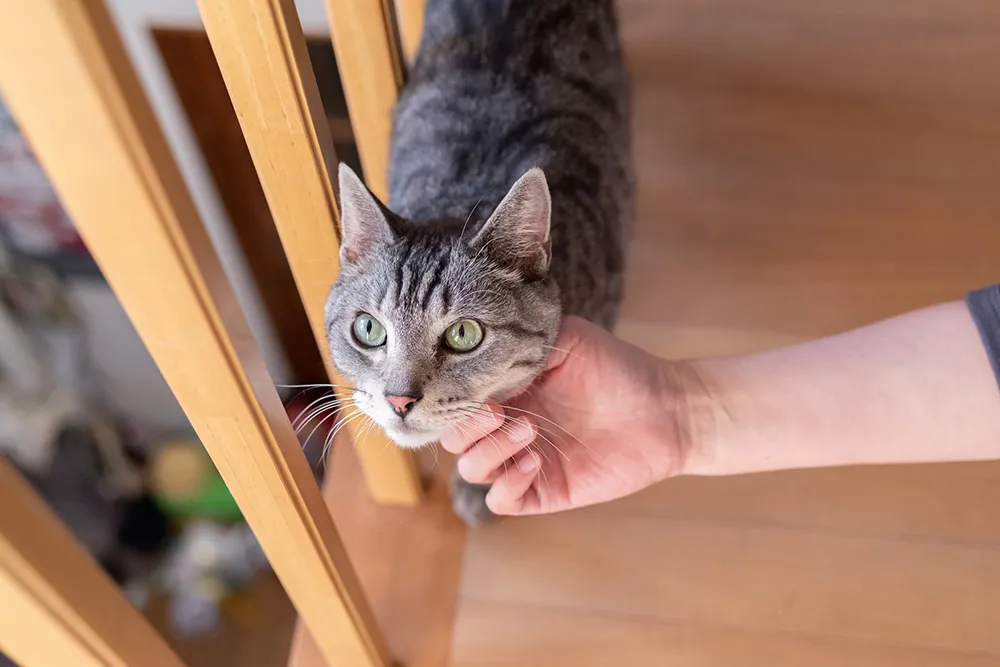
x,y
462,436
480,462
507,495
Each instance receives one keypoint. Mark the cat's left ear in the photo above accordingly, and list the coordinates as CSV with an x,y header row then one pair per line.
x,y
363,225
517,234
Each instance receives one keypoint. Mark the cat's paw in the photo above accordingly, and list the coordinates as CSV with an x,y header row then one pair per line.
x,y
469,502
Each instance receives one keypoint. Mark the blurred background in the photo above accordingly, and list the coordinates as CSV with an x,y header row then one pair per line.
x,y
803,168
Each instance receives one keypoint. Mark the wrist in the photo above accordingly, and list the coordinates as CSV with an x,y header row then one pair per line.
x,y
694,403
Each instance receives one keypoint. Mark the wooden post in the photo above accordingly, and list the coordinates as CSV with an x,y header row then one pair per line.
x,y
67,79
262,55
56,605
410,18
367,49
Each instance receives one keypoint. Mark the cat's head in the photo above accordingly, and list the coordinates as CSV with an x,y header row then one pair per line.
x,y
430,320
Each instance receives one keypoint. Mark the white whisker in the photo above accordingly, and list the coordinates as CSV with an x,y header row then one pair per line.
x,y
504,428
339,403
305,410
485,246
469,218
569,352
535,414
368,426
334,410
541,471
496,445
342,424
313,386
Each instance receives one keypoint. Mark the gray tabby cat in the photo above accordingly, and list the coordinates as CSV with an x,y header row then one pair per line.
x,y
454,293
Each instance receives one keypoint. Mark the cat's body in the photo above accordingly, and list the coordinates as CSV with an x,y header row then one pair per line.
x,y
454,295
500,86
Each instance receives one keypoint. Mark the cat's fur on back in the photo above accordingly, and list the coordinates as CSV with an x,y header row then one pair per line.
x,y
510,200
500,86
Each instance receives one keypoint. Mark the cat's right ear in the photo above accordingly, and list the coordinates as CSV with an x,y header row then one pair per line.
x,y
364,227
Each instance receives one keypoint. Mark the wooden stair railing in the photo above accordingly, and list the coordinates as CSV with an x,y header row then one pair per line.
x,y
66,76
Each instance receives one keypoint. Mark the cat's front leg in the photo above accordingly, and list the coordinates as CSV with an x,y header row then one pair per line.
x,y
469,501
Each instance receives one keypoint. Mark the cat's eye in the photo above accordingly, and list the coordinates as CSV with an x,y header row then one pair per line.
x,y
368,331
463,336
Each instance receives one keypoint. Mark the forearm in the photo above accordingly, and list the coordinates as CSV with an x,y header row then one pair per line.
x,y
916,388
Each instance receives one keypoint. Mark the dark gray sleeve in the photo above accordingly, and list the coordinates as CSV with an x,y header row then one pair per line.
x,y
984,305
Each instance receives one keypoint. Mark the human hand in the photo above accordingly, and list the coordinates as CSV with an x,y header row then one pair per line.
x,y
604,420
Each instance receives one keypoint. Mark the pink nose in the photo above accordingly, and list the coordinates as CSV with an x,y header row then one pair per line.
x,y
401,404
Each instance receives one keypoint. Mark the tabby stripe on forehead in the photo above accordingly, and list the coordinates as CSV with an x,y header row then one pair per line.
x,y
404,285
446,298
433,282
411,280
411,286
399,273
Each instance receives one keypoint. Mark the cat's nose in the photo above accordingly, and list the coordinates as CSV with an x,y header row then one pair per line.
x,y
402,404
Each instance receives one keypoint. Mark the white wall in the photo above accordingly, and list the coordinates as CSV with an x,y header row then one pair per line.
x,y
126,374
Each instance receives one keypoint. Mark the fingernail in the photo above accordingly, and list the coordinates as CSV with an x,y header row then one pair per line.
x,y
529,464
520,430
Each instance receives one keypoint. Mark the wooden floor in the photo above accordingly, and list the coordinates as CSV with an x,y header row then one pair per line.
x,y
804,167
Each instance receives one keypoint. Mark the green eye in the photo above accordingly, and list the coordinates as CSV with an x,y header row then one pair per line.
x,y
464,335
368,331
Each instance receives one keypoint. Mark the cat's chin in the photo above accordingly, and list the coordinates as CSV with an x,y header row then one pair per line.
x,y
413,439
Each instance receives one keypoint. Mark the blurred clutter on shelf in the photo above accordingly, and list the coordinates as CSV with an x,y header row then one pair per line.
x,y
143,497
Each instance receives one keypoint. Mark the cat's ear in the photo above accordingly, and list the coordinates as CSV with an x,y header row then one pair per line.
x,y
517,234
363,225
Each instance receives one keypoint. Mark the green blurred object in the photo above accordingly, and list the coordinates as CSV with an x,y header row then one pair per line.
x,y
186,484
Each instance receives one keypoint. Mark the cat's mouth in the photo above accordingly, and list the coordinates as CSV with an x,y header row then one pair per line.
x,y
419,429
409,436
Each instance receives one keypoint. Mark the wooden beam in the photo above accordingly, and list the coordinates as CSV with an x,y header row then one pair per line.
x,y
57,607
410,19
367,49
262,55
67,78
